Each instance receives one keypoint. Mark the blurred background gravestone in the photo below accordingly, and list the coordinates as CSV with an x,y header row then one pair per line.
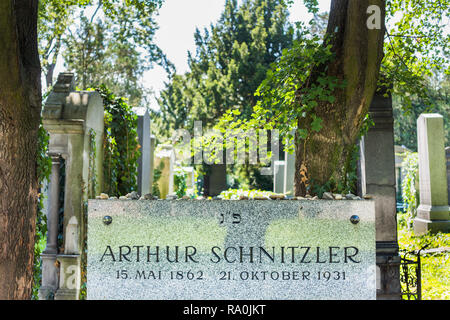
x,y
74,121
289,173
216,180
433,212
278,177
190,180
401,153
145,172
164,162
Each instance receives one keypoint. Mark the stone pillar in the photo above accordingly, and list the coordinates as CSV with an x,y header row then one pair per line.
x,y
53,210
289,173
377,169
144,162
433,212
49,269
278,177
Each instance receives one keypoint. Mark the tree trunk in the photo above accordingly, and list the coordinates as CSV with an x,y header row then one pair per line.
x,y
324,156
20,105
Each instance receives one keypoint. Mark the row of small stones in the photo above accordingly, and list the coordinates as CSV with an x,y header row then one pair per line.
x,y
326,196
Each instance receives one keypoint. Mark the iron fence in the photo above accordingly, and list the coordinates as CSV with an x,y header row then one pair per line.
x,y
411,274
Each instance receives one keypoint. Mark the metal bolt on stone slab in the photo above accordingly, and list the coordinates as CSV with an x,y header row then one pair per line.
x,y
107,220
354,219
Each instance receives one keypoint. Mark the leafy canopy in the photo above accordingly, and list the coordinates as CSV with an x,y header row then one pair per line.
x,y
113,40
416,47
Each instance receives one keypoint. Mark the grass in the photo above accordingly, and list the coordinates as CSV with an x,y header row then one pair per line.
x,y
435,266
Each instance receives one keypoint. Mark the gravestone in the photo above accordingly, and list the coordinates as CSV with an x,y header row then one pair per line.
x,y
247,250
190,180
145,174
433,212
216,180
74,121
289,173
400,156
278,177
378,179
164,161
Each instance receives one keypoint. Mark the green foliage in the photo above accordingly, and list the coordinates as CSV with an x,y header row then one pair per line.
x,y
409,193
291,93
54,19
179,180
120,145
92,184
83,267
286,94
235,194
435,266
277,104
416,46
109,51
405,121
43,166
230,61
156,176
44,162
111,44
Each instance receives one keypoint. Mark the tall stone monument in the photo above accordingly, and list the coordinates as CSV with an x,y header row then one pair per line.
x,y
145,172
433,212
377,169
74,121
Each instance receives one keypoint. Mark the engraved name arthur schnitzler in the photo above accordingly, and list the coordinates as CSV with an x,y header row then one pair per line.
x,y
190,254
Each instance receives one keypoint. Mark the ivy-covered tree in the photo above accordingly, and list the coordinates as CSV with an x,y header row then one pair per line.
x,y
322,87
120,145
